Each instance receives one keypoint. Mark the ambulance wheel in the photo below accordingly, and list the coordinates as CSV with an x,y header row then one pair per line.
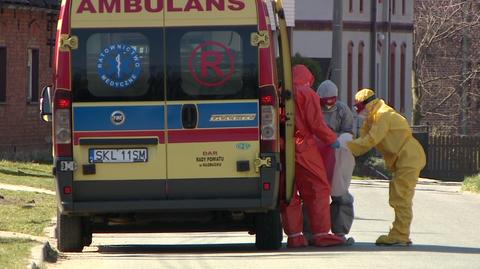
x,y
268,230
69,233
87,233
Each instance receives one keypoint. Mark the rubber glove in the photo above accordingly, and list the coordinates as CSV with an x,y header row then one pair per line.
x,y
335,145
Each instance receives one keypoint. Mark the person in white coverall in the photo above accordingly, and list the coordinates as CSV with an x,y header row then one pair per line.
x,y
340,119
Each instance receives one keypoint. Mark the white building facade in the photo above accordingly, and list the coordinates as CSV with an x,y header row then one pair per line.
x,y
376,51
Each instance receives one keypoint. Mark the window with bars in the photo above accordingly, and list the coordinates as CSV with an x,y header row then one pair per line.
x,y
3,74
32,75
361,47
350,74
392,75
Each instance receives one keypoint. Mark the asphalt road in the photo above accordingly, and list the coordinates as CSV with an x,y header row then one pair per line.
x,y
445,234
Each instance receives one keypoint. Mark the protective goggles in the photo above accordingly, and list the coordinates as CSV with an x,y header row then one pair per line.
x,y
360,106
328,101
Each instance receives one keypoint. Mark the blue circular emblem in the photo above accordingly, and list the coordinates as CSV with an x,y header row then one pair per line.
x,y
119,66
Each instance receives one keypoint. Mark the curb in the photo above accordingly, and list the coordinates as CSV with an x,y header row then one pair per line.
x,y
42,253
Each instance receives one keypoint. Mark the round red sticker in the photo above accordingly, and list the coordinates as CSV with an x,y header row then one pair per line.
x,y
206,62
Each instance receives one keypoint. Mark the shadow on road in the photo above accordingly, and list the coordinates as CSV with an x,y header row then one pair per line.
x,y
184,248
421,187
250,248
361,246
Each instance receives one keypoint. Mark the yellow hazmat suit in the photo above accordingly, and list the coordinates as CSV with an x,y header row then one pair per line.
x,y
390,133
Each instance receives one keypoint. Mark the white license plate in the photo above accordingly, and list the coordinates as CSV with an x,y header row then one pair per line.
x,y
117,155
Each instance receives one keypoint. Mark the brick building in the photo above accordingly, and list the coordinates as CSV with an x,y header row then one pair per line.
x,y
27,32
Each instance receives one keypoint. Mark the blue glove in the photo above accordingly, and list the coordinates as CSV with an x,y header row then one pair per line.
x,y
335,145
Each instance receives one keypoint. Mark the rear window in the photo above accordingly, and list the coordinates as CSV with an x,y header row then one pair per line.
x,y
211,63
117,65
198,63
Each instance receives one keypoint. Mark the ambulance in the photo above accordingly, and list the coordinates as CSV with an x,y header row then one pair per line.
x,y
165,118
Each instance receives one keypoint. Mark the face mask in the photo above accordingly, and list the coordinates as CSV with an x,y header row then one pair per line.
x,y
328,101
363,115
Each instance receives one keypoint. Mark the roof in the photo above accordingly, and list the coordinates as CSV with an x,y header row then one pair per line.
x,y
289,7
50,4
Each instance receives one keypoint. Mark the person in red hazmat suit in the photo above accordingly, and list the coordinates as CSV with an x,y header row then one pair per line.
x,y
339,118
311,183
390,133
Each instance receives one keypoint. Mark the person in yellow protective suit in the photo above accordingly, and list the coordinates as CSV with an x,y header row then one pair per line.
x,y
389,132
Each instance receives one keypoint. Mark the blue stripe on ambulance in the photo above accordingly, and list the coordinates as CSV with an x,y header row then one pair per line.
x,y
98,118
152,118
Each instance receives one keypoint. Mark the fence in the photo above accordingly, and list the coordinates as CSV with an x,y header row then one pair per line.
x,y
450,157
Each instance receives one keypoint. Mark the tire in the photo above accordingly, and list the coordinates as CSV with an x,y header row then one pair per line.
x,y
69,233
268,230
87,231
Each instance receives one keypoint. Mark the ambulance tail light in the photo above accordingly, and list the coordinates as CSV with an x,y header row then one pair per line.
x,y
268,120
62,123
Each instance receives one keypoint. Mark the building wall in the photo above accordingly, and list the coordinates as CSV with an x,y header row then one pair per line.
x,y
312,37
313,9
312,45
289,7
21,130
354,38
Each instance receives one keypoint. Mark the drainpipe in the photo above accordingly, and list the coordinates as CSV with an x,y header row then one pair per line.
x,y
387,47
373,43
337,29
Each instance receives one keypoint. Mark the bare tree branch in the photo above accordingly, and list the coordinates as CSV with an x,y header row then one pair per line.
x,y
446,77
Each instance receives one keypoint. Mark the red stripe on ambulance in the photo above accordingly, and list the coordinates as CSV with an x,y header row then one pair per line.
x,y
213,135
159,134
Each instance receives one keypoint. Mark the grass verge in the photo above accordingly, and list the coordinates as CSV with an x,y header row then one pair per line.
x,y
472,184
28,174
14,253
26,212
23,212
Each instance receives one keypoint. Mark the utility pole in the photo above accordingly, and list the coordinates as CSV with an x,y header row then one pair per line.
x,y
337,30
466,66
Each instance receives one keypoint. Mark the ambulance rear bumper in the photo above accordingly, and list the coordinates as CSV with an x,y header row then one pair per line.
x,y
159,195
98,207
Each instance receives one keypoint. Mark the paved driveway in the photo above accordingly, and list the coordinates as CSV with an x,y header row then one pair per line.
x,y
445,232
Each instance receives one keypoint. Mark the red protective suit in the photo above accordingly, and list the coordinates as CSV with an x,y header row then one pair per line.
x,y
328,155
310,176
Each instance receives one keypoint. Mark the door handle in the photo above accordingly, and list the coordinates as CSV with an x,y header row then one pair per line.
x,y
189,116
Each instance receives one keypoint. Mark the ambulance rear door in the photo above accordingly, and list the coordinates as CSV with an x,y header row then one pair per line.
x,y
118,108
212,103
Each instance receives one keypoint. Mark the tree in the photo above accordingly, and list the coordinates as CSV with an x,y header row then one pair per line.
x,y
313,66
446,64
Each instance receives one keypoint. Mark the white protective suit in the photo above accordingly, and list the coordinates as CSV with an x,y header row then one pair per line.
x,y
344,165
